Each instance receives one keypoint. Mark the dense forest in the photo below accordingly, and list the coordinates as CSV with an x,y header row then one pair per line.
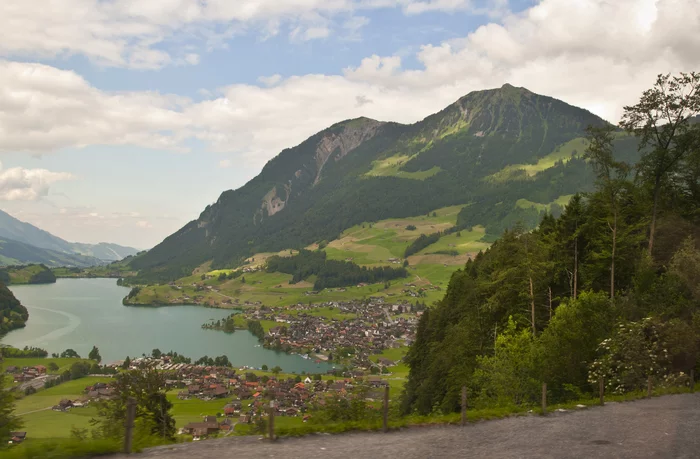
x,y
12,314
608,290
330,273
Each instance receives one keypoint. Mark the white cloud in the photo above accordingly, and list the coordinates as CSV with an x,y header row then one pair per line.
x,y
575,51
492,8
271,80
133,33
353,27
192,58
19,184
225,163
144,224
43,109
301,33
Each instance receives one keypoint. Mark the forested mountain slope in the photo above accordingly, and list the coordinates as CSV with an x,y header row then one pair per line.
x,y
12,314
492,148
606,293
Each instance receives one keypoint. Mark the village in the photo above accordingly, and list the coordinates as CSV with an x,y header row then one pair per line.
x,y
247,396
343,332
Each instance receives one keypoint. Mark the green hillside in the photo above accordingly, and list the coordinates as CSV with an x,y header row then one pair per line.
x,y
367,244
364,170
27,274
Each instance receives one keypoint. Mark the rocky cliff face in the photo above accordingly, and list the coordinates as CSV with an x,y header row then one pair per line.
x,y
354,133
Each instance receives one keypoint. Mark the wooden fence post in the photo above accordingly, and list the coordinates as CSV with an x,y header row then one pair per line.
x,y
601,388
692,380
464,405
544,398
129,424
385,419
649,386
271,422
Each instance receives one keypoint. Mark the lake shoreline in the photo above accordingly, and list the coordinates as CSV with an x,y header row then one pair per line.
x,y
79,313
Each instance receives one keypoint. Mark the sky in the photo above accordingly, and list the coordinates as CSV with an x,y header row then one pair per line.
x,y
120,120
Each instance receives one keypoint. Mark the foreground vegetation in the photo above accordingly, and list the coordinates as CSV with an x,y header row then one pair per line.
x,y
608,291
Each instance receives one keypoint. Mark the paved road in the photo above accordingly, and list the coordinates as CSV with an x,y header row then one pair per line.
x,y
666,427
36,383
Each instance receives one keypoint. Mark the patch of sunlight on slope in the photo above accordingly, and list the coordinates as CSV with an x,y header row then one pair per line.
x,y
571,149
391,167
373,244
561,200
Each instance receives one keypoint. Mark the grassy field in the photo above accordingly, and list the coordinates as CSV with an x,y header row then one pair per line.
x,y
391,167
563,153
47,398
368,244
23,274
561,201
394,353
41,422
63,364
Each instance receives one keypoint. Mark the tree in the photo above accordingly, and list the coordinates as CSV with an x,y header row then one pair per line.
x,y
153,415
242,279
156,353
612,178
69,354
627,359
52,367
661,120
686,265
8,421
95,354
127,363
276,370
264,368
79,370
570,244
569,344
507,377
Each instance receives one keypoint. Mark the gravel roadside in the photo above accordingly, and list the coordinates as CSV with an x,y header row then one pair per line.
x,y
664,427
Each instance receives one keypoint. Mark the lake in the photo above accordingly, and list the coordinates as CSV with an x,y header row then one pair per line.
x,y
80,313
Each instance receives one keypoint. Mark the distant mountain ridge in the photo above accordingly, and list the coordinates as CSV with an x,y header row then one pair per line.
x,y
496,149
22,242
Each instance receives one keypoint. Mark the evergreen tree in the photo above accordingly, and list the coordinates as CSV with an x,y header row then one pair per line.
x,y
8,421
95,354
661,120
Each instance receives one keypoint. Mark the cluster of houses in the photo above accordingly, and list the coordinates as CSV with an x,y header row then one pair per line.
x,y
98,391
253,398
21,374
368,328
